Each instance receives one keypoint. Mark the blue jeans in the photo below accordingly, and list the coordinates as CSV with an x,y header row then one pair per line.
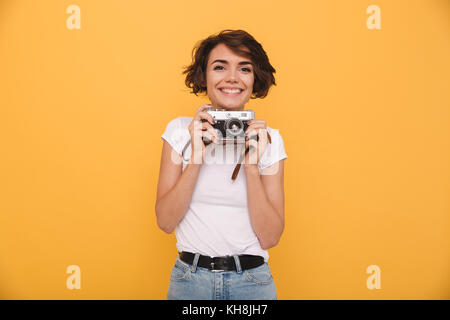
x,y
190,282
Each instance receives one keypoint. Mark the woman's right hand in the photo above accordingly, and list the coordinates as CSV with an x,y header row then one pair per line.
x,y
201,126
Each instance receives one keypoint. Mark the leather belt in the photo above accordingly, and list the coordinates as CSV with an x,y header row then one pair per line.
x,y
226,263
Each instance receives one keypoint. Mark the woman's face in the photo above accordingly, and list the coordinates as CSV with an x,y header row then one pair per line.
x,y
226,70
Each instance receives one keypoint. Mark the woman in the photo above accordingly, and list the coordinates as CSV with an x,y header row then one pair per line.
x,y
224,226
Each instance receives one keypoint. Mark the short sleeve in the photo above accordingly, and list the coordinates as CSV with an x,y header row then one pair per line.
x,y
175,135
274,152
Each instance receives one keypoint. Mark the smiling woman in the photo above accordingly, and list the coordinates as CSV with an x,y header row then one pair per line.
x,y
229,80
239,43
224,226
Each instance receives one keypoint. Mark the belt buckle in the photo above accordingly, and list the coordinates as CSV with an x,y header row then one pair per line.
x,y
212,266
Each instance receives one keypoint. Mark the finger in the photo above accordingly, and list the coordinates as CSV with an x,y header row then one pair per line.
x,y
262,143
254,121
205,115
255,126
210,136
262,133
201,126
251,133
252,143
205,126
252,155
208,128
203,107
257,130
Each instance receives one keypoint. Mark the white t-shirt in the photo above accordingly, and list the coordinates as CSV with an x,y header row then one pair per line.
x,y
217,222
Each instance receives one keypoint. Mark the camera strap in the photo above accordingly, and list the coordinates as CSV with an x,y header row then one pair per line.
x,y
238,166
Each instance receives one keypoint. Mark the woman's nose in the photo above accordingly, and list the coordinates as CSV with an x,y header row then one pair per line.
x,y
231,76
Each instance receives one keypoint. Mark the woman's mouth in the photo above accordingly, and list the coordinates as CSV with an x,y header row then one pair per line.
x,y
231,92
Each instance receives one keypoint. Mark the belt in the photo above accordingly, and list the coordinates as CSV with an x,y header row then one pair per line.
x,y
226,263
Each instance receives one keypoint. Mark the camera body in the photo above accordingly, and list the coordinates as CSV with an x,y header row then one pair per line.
x,y
231,125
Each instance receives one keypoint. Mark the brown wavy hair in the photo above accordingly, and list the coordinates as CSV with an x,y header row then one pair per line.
x,y
235,40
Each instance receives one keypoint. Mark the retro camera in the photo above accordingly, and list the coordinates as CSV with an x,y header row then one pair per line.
x,y
231,124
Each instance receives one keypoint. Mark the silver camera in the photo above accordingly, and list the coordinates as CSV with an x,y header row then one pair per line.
x,y
231,125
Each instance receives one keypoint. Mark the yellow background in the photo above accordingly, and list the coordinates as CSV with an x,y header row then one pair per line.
x,y
364,115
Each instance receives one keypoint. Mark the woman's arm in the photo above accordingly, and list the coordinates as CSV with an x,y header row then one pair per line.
x,y
175,188
265,197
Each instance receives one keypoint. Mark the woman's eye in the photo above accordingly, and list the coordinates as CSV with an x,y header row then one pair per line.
x,y
245,69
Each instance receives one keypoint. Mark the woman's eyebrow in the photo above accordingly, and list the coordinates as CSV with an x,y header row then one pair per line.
x,y
226,62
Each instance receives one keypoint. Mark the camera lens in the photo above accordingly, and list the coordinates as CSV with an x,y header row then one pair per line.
x,y
234,126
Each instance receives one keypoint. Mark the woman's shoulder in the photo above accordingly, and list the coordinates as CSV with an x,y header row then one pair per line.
x,y
177,133
185,121
274,133
179,123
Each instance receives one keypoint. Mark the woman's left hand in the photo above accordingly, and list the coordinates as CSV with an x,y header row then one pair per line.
x,y
256,128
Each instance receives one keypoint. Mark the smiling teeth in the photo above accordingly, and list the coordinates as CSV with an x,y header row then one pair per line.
x,y
231,91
